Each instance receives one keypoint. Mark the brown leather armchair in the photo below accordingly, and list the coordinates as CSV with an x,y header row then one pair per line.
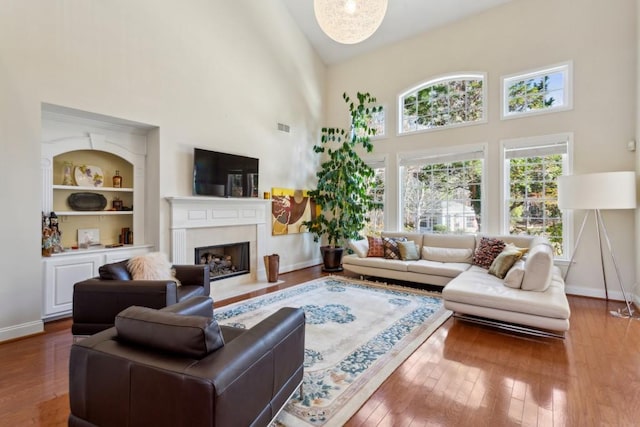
x,y
155,368
97,301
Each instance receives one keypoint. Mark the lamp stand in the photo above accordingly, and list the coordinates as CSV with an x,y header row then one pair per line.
x,y
601,229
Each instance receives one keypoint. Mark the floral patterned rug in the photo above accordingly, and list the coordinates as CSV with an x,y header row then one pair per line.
x,y
357,334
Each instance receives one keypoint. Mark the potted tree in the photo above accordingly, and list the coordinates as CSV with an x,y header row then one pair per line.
x,y
343,181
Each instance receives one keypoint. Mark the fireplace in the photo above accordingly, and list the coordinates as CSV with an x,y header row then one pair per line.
x,y
198,222
224,261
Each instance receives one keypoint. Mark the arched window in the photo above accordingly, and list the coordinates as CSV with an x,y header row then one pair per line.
x,y
448,101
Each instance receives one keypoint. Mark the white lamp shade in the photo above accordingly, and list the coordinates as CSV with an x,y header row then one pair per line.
x,y
349,21
608,190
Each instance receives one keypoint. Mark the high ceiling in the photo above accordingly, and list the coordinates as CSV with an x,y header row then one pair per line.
x,y
404,19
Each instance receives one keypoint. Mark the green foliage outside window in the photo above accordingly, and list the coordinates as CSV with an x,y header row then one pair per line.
x,y
533,199
443,104
443,197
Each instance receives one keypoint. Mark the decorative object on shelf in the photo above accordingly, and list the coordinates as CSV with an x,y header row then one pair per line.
x,y
47,248
88,176
87,201
88,237
126,236
267,195
117,180
116,204
67,170
290,209
344,181
594,192
350,21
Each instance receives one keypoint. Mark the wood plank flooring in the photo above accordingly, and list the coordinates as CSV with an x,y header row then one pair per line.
x,y
463,375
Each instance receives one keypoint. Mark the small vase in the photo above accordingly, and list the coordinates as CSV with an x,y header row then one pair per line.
x,y
66,173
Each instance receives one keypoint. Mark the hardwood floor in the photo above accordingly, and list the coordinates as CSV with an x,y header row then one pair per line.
x,y
463,375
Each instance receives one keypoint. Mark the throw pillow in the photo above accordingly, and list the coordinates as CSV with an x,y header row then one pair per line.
x,y
152,266
503,262
376,247
538,268
360,247
192,336
391,249
488,249
514,277
511,246
431,253
408,251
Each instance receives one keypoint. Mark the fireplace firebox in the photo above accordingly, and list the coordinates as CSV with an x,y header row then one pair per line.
x,y
224,260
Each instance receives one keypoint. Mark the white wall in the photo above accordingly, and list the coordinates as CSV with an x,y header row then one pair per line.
x,y
216,74
599,37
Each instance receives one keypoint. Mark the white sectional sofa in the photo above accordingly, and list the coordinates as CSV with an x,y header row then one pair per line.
x,y
534,296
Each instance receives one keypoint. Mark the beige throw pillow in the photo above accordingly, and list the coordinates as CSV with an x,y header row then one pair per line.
x,y
360,247
408,251
513,279
503,262
152,266
538,268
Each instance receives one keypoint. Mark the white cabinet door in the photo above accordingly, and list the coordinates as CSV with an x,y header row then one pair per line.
x,y
60,274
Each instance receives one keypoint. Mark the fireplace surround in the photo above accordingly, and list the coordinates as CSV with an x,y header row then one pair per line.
x,y
214,221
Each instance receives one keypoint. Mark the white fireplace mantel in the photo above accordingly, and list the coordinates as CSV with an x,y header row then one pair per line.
x,y
201,212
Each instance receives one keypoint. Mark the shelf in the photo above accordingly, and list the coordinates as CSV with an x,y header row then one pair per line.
x,y
94,213
78,188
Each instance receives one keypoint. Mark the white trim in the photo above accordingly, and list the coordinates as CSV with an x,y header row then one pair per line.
x,y
532,141
439,79
567,103
22,330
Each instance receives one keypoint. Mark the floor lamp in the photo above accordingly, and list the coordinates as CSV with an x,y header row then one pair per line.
x,y
595,192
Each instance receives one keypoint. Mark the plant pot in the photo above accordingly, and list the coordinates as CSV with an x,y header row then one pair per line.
x,y
332,258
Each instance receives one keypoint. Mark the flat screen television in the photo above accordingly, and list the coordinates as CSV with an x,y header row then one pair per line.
x,y
224,175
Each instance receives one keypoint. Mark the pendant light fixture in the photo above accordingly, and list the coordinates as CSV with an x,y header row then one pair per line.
x,y
349,21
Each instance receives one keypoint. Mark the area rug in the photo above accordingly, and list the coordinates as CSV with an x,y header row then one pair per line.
x,y
357,334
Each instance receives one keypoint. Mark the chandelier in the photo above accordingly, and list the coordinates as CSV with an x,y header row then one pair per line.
x,y
349,21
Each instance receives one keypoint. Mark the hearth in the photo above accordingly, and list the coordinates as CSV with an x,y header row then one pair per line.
x,y
224,260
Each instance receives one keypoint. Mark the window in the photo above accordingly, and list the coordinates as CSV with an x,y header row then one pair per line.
x,y
377,122
539,91
375,223
448,101
443,193
531,171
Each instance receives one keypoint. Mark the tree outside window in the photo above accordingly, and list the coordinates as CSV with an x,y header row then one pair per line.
x,y
375,220
538,91
443,197
444,102
533,198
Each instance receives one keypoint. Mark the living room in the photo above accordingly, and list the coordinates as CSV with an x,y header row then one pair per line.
x,y
222,75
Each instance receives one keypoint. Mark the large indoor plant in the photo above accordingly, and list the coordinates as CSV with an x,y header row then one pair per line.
x,y
343,181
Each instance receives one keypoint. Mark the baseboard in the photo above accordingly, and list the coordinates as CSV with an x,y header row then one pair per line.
x,y
22,330
300,265
614,294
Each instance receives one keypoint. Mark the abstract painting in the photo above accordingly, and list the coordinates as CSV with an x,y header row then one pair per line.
x,y
289,209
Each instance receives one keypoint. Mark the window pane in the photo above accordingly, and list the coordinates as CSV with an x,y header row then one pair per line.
x,y
533,198
543,91
375,222
443,104
442,197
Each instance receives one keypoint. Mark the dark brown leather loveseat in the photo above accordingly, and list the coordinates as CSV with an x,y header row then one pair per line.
x,y
158,368
96,301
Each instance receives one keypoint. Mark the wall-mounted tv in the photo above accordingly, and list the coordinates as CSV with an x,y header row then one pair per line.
x,y
224,175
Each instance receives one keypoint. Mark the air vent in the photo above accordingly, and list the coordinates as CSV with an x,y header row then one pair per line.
x,y
283,128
